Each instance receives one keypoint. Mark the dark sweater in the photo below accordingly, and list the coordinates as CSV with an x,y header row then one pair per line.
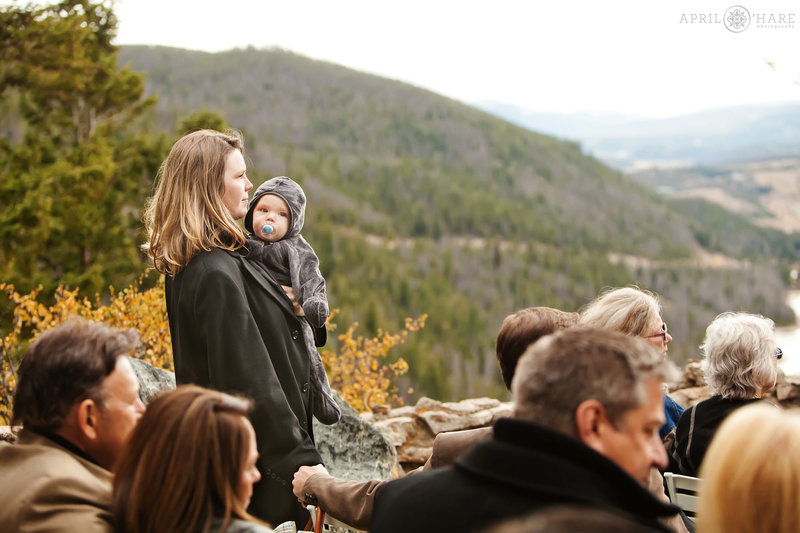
x,y
696,428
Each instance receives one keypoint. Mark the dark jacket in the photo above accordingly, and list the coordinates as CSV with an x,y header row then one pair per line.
x,y
292,261
234,330
352,501
696,428
524,468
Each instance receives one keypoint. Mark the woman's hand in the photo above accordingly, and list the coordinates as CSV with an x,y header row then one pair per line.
x,y
290,293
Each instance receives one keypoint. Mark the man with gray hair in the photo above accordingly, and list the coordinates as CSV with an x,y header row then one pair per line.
x,y
587,410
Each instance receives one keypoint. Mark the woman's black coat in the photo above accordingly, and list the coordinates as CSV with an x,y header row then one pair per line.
x,y
233,330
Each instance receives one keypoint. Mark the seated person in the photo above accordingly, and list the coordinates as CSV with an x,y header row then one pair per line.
x,y
751,473
190,466
568,519
77,399
587,410
634,312
740,365
352,501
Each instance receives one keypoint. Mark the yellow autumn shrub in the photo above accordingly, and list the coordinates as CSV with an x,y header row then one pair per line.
x,y
132,307
358,370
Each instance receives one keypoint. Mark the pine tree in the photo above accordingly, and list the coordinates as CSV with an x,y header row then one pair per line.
x,y
73,181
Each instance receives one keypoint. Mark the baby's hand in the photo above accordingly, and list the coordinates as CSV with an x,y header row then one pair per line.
x,y
290,293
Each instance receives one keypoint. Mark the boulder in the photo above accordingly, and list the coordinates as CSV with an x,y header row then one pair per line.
x,y
689,396
151,379
354,448
9,434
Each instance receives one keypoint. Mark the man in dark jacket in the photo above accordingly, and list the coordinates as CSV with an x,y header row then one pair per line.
x,y
352,501
595,397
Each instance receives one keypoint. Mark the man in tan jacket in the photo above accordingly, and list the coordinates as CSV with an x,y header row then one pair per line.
x,y
352,501
78,400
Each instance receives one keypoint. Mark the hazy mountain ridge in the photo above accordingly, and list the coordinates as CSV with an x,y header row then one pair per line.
x,y
385,163
715,136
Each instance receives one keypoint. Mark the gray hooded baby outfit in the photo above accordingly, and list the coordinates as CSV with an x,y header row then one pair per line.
x,y
292,261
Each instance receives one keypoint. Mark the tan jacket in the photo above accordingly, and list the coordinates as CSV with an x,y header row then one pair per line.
x,y
351,501
46,487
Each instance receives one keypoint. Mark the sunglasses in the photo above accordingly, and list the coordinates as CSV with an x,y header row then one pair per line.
x,y
778,353
662,334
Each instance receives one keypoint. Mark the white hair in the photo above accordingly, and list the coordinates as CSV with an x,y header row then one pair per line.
x,y
739,349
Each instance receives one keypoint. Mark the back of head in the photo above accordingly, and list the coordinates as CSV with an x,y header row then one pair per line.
x,y
561,371
569,519
186,215
628,310
183,463
521,329
751,473
65,365
739,351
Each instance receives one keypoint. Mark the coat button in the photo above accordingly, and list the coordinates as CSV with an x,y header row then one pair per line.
x,y
295,334
305,387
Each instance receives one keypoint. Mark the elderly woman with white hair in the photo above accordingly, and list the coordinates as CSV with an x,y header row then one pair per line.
x,y
740,366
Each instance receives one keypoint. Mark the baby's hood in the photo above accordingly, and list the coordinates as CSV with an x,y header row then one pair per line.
x,y
291,193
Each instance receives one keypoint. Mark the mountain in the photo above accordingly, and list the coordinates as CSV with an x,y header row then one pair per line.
x,y
421,204
711,137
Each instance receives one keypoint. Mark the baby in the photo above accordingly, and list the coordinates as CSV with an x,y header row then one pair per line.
x,y
275,216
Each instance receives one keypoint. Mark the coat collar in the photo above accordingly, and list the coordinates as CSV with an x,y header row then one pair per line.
x,y
46,438
263,278
541,460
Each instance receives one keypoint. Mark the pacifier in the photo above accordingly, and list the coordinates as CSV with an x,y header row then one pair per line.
x,y
267,229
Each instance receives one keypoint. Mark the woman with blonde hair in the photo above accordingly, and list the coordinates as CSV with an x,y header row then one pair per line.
x,y
751,474
233,327
637,313
740,365
189,466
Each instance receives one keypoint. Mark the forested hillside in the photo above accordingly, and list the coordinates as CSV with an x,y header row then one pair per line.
x,y
420,204
417,203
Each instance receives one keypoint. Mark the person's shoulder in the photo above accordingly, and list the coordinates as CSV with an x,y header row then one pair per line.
x,y
237,525
450,445
52,463
211,263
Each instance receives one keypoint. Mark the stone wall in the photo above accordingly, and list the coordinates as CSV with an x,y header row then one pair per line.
x,y
412,428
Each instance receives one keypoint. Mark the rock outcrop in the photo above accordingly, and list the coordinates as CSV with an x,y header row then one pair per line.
x,y
412,428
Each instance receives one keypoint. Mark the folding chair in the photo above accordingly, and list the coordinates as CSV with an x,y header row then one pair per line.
x,y
330,524
683,491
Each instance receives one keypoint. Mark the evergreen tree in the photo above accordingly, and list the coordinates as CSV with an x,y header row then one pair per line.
x,y
73,181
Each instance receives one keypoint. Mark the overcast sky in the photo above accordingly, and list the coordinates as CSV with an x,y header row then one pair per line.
x,y
634,57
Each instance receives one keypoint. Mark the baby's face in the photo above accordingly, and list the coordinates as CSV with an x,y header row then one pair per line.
x,y
271,211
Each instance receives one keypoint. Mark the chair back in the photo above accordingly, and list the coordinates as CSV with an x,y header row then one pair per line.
x,y
683,491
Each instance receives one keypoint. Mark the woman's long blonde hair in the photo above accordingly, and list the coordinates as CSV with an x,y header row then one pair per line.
x,y
186,214
182,465
751,473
